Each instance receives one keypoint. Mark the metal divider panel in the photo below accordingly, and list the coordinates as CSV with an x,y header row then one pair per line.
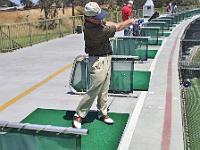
x,y
122,76
173,19
142,48
153,32
168,19
176,18
130,46
167,25
157,24
121,46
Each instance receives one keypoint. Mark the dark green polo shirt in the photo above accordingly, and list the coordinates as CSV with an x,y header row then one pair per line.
x,y
97,39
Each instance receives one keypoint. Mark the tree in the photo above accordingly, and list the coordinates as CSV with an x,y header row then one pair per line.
x,y
7,3
27,3
50,8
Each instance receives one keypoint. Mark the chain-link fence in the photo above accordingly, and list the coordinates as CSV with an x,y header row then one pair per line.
x,y
189,71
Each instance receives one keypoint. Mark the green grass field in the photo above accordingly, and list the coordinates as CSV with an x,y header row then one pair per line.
x,y
196,58
21,35
192,108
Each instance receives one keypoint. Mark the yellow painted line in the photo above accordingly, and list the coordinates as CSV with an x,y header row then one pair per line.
x,y
34,87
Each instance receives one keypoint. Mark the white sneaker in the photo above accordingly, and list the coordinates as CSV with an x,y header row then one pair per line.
x,y
106,119
77,121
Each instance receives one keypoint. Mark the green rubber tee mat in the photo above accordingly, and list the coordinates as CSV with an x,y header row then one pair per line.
x,y
101,136
152,54
141,80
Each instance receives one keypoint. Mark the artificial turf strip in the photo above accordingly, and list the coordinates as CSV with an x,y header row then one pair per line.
x,y
101,136
151,53
192,111
141,80
166,34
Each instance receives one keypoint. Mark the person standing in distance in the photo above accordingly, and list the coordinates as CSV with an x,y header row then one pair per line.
x,y
97,45
127,14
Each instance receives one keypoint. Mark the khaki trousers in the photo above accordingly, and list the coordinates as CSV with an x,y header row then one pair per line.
x,y
100,72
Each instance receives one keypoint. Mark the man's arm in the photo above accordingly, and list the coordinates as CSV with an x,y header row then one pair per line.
x,y
121,25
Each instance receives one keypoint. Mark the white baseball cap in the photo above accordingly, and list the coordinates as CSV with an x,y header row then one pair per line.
x,y
130,2
92,9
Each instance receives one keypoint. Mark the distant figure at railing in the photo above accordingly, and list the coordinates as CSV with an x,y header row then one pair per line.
x,y
137,27
173,7
169,7
126,14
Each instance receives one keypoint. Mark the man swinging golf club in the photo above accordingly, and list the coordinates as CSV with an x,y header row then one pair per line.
x,y
97,45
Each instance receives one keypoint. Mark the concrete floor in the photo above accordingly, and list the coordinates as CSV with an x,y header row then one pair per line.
x,y
34,77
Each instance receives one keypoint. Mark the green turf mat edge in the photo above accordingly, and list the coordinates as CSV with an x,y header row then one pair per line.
x,y
141,80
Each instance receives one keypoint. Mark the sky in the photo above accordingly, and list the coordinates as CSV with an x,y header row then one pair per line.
x,y
18,1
